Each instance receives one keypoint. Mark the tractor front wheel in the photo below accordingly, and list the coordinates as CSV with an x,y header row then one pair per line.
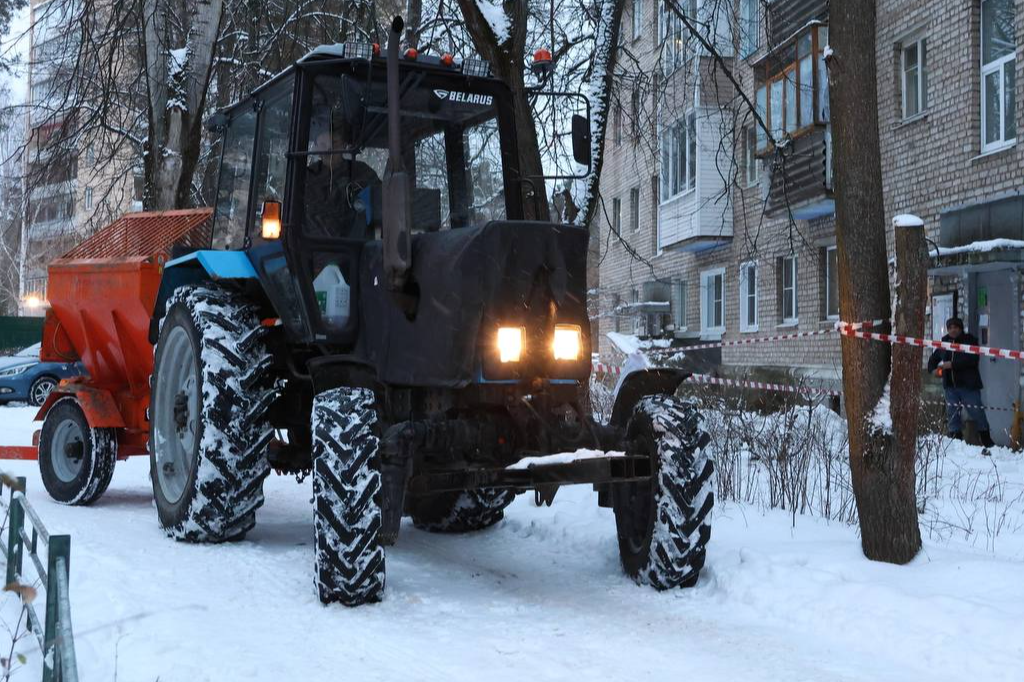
x,y
347,497
462,511
76,461
208,415
664,524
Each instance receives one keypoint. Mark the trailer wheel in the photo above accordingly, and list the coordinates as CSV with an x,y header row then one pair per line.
x,y
462,511
208,415
664,525
76,461
347,497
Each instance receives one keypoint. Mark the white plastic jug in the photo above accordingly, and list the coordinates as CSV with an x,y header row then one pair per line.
x,y
332,296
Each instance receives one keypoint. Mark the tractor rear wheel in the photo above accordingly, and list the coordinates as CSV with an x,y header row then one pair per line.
x,y
664,524
462,511
76,461
347,497
208,415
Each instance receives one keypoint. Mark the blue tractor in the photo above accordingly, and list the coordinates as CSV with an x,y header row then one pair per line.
x,y
376,311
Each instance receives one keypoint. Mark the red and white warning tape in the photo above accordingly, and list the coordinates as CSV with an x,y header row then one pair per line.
x,y
764,339
982,407
932,343
602,368
760,385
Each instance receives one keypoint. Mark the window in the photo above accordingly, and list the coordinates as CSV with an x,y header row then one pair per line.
x,y
617,124
748,297
832,283
90,156
272,151
617,216
914,70
673,31
679,157
998,75
634,208
679,305
794,96
788,290
750,156
616,302
88,198
638,18
712,306
750,26
233,183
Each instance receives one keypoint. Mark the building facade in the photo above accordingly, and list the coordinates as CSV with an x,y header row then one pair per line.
x,y
72,185
949,80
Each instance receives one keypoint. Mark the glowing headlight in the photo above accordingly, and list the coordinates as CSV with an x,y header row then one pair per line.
x,y
510,343
568,342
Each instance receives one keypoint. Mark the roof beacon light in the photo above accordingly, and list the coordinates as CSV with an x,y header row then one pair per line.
x,y
358,50
476,67
411,53
447,59
542,63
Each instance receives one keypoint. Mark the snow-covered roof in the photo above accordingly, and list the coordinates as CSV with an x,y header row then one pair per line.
x,y
983,246
333,50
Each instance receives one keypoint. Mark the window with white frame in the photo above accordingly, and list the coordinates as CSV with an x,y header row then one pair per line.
x,y
679,157
616,302
679,305
751,169
748,297
750,26
998,74
673,33
88,198
832,283
634,208
617,216
712,300
788,290
638,18
914,76
617,124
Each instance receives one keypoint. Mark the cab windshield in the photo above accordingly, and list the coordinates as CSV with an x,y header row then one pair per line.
x,y
451,143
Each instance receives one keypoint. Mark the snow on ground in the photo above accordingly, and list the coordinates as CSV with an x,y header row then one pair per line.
x,y
540,596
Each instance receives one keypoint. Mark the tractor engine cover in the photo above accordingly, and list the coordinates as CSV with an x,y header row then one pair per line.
x,y
470,281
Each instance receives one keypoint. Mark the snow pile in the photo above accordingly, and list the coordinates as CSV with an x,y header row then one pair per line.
x,y
494,15
907,220
562,458
984,246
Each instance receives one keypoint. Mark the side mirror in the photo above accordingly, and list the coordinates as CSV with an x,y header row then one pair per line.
x,y
581,140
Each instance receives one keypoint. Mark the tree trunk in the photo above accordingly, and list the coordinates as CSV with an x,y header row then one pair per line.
x,y
883,483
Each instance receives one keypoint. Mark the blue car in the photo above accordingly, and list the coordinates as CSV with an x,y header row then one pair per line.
x,y
24,377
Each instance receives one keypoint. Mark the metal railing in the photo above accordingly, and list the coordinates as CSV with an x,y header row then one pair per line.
x,y
56,639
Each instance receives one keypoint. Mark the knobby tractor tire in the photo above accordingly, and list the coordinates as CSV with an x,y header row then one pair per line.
x,y
347,497
209,432
664,525
461,511
76,461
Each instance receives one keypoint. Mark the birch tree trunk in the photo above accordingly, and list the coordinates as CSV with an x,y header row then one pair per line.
x,y
176,88
882,469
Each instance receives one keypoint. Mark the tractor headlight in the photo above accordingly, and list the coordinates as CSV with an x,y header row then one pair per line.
x,y
568,342
510,343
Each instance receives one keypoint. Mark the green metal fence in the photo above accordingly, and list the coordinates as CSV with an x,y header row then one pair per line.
x,y
56,639
18,332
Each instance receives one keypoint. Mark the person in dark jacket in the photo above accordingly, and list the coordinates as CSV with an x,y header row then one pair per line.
x,y
334,178
961,381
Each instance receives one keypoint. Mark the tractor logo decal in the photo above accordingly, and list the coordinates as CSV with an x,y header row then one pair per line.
x,y
465,97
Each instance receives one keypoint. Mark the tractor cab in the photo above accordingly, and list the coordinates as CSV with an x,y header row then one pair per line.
x,y
301,185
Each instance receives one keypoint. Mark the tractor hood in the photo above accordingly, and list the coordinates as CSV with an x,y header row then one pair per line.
x,y
471,281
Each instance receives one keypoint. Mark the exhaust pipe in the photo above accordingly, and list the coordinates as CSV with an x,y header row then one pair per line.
x,y
397,183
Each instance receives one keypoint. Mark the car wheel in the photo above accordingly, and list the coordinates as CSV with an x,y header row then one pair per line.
x,y
40,390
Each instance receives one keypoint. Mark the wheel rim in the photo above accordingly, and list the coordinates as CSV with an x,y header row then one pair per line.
x,y
41,390
175,422
67,450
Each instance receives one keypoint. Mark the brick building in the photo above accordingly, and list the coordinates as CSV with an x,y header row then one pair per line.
x,y
765,264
